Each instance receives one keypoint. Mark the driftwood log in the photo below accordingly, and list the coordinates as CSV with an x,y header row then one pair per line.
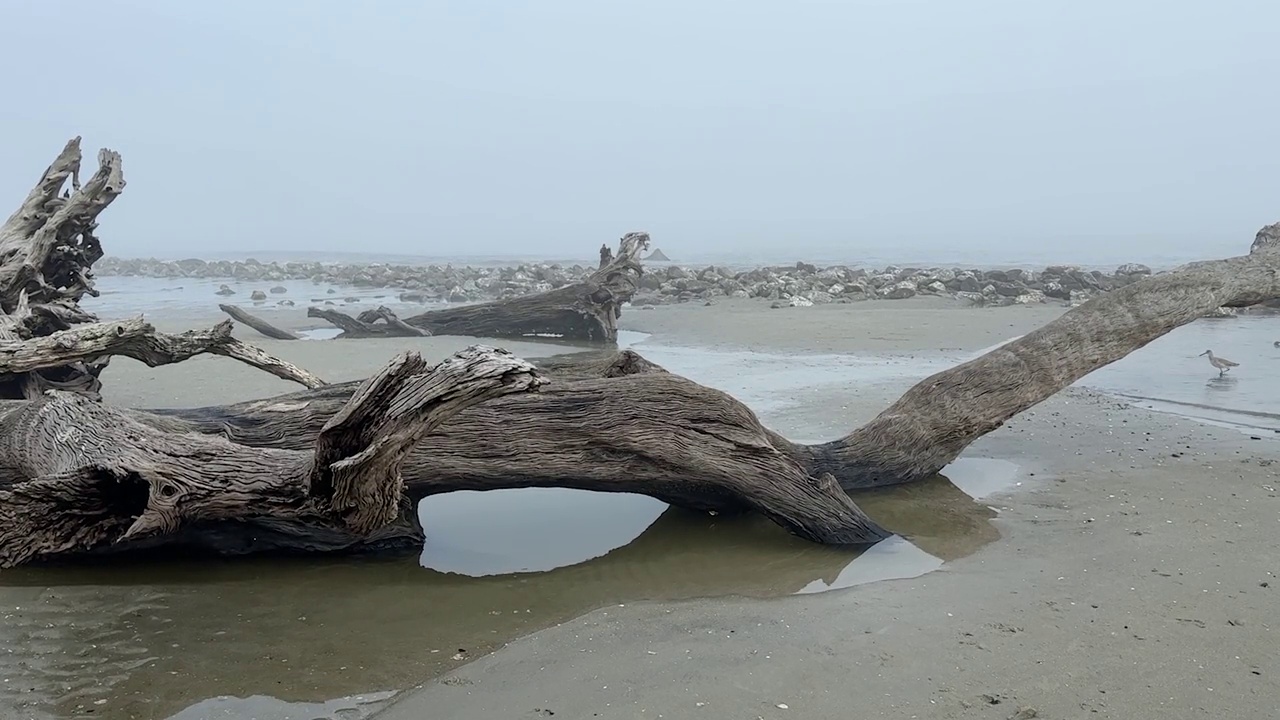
x,y
586,311
378,322
243,317
139,340
79,475
47,251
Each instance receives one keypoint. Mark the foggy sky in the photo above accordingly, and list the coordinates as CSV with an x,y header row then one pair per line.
x,y
476,127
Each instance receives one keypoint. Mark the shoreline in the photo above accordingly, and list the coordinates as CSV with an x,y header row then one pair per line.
x,y
1095,465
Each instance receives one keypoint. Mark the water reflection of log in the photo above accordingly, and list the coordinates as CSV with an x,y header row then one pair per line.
x,y
222,614
935,515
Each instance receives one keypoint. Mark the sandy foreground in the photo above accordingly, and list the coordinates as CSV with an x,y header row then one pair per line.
x,y
1136,576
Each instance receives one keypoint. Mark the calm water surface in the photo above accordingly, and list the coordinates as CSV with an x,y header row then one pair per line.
x,y
1168,376
334,637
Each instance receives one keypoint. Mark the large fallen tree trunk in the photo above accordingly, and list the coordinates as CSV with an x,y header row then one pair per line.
x,y
623,424
81,476
588,310
620,425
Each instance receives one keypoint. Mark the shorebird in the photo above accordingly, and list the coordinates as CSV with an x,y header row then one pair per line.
x,y
1222,364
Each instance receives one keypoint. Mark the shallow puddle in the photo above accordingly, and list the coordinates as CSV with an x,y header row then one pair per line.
x,y
310,638
1170,376
154,638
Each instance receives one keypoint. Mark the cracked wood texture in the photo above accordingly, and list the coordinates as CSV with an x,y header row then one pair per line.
x,y
588,310
623,424
47,250
618,424
77,475
137,339
47,246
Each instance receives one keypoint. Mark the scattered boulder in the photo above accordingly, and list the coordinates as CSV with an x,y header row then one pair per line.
x,y
258,295
279,290
225,290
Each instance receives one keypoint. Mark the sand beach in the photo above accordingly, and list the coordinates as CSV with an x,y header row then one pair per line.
x,y
1091,558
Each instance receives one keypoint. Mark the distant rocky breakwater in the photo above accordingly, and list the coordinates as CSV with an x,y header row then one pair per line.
x,y
797,285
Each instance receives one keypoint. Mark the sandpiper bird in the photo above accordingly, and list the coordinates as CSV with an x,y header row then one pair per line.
x,y
1222,364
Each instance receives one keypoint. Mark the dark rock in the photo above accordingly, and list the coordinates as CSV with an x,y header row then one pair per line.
x,y
1008,289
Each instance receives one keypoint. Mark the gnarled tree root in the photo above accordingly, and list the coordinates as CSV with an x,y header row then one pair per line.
x,y
47,251
80,475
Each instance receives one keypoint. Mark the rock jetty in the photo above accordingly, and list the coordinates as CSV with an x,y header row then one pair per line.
x,y
801,284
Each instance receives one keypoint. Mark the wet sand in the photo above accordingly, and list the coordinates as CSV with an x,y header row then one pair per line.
x,y
1137,580
1010,615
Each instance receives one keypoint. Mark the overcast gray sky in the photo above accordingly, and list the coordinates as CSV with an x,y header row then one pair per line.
x,y
546,127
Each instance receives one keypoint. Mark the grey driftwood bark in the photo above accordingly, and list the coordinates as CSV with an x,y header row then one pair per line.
x,y
378,322
82,476
262,326
47,250
588,310
585,311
